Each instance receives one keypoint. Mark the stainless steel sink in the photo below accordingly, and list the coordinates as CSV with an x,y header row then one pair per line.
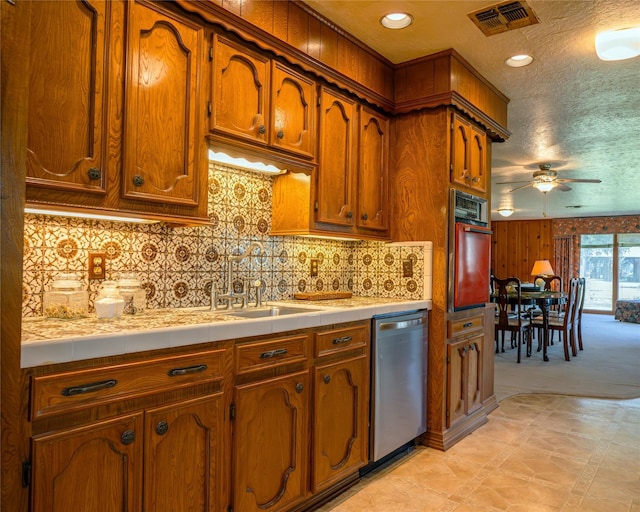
x,y
270,311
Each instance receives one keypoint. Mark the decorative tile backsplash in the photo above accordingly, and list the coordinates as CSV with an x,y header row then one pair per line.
x,y
177,265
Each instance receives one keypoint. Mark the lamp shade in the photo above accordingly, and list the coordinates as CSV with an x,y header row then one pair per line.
x,y
542,268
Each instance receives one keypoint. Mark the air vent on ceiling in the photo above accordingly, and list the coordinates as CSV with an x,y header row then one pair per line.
x,y
503,17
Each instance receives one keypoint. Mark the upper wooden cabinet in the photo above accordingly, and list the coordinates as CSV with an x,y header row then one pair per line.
x,y
335,181
277,107
348,194
468,154
240,91
116,117
162,149
373,172
67,132
293,109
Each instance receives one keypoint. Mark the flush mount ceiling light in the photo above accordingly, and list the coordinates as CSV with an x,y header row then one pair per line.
x,y
396,20
618,44
242,163
506,211
519,61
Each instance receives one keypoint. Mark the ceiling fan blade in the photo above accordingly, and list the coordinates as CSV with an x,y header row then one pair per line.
x,y
563,187
511,182
523,186
577,180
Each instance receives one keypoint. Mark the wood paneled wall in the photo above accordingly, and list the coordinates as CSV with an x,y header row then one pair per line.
x,y
517,244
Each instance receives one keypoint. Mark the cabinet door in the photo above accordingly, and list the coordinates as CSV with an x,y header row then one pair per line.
x,y
340,421
98,467
474,373
456,380
460,148
373,168
66,138
161,128
337,158
182,446
240,91
270,443
293,104
478,159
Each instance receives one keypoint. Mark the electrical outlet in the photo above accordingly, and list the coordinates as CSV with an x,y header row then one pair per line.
x,y
407,268
314,267
97,265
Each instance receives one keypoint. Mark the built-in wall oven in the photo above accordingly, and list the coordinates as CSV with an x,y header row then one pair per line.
x,y
398,381
469,251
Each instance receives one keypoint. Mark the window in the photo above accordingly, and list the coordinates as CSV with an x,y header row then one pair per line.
x,y
611,265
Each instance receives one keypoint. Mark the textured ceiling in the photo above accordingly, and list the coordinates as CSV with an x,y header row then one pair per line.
x,y
567,108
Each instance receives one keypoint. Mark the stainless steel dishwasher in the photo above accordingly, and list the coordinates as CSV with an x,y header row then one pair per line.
x,y
399,381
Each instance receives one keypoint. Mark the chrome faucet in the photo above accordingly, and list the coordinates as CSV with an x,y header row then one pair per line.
x,y
230,297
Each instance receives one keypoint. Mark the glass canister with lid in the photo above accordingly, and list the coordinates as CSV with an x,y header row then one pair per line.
x,y
109,303
66,299
135,297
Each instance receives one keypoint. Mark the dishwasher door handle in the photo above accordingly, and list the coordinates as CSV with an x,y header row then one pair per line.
x,y
404,324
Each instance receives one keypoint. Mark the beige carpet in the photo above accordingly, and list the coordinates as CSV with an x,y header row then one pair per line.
x,y
608,367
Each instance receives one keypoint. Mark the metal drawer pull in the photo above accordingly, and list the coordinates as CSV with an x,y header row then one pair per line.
x,y
342,339
273,353
189,369
401,325
128,437
468,324
89,388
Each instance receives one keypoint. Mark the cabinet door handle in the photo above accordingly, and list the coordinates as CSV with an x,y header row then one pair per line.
x,y
280,134
161,428
94,174
128,437
299,387
365,216
261,129
342,339
273,353
89,388
326,378
468,324
138,180
189,369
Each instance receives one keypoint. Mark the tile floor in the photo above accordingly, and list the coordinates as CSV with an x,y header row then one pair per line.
x,y
536,453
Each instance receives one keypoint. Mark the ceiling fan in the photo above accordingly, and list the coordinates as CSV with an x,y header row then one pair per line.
x,y
547,179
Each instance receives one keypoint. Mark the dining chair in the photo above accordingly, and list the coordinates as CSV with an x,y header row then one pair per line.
x,y
577,322
508,298
564,324
551,283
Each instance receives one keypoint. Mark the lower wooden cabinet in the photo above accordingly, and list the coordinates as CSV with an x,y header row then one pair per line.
x,y
155,460
98,467
270,443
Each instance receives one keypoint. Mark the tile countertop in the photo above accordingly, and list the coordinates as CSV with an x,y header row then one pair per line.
x,y
48,341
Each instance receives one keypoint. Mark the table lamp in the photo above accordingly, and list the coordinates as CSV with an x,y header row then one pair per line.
x,y
541,268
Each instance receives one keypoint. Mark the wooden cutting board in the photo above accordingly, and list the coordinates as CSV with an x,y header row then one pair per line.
x,y
322,295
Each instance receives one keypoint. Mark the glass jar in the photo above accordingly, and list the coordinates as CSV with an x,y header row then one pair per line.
x,y
109,303
66,298
130,288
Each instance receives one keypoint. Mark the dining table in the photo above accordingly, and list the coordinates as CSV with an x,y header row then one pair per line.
x,y
543,300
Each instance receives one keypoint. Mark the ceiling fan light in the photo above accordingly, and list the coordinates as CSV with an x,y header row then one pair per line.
x,y
545,186
618,44
506,212
396,20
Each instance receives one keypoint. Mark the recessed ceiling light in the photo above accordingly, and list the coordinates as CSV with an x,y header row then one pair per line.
x,y
518,61
618,44
396,20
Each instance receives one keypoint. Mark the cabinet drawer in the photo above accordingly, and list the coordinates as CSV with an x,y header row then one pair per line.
x,y
256,356
464,325
340,340
66,392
